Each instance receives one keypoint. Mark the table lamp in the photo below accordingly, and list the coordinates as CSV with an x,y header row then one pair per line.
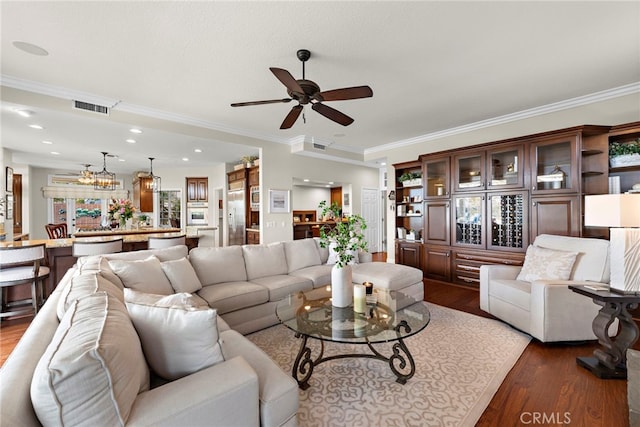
x,y
620,212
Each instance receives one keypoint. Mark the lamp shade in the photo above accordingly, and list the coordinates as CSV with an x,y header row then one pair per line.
x,y
612,210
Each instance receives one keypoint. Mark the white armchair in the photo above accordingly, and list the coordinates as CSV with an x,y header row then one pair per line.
x,y
547,309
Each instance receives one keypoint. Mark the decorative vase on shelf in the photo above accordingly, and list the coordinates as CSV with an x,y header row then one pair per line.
x,y
128,225
341,286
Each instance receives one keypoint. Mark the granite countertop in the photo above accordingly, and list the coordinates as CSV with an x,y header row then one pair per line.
x,y
63,243
120,232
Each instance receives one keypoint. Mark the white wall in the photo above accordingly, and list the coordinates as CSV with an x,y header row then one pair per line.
x,y
308,198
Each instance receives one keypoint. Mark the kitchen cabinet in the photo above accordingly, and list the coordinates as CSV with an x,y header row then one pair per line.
x,y
254,176
197,189
253,237
142,194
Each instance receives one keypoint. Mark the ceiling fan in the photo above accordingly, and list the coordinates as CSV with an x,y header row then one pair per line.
x,y
308,92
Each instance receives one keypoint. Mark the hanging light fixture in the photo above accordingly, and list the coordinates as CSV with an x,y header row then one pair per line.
x,y
86,176
154,182
104,180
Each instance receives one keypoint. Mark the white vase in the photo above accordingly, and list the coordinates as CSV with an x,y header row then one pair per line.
x,y
341,286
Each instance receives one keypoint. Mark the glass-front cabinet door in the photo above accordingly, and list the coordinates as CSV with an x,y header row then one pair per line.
x,y
554,166
508,213
469,213
505,168
469,171
436,174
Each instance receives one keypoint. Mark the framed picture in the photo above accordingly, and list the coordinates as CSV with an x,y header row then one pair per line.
x,y
279,201
9,180
9,206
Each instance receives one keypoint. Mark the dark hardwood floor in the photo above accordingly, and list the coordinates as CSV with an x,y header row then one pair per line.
x,y
544,388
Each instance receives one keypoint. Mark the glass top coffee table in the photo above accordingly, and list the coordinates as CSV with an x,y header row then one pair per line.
x,y
389,317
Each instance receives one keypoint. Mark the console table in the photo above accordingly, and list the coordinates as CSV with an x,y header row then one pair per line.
x,y
610,361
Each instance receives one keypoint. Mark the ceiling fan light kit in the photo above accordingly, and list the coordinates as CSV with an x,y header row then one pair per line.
x,y
308,92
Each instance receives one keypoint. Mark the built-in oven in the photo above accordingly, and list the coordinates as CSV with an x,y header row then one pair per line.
x,y
254,198
197,213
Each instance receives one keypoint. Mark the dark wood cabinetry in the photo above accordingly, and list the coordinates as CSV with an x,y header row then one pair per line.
x,y
409,253
253,237
197,189
142,194
486,203
245,179
254,176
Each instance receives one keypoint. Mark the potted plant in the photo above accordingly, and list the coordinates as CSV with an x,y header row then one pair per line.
x,y
248,160
344,240
623,154
409,179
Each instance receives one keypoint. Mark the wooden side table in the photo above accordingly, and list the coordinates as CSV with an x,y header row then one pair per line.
x,y
611,360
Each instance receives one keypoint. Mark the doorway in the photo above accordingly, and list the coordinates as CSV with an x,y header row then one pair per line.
x,y
372,214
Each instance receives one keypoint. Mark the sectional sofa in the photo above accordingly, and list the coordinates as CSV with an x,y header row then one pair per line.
x,y
155,337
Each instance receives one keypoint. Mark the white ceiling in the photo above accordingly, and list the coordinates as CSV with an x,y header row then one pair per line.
x,y
432,66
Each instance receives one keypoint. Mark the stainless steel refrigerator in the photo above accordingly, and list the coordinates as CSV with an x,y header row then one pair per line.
x,y
236,209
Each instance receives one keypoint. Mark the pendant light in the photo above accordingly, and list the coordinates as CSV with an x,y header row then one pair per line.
x,y
104,180
154,182
86,176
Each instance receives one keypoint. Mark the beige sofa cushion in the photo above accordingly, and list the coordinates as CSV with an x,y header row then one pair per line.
x,y
182,276
218,265
143,275
85,284
164,254
301,254
264,260
180,299
177,340
94,367
99,264
546,264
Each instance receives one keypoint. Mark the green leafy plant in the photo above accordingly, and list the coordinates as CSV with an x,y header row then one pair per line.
x,y
408,176
622,148
249,159
346,236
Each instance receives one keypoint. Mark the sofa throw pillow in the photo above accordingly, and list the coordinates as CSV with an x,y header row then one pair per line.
x,y
177,341
546,264
333,255
143,275
93,368
180,299
181,275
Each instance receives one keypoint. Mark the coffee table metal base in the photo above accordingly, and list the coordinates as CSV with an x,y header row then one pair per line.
x,y
400,361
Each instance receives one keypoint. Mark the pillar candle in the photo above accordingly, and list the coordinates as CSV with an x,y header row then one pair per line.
x,y
359,299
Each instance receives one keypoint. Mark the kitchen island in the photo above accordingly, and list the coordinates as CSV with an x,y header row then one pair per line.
x,y
59,258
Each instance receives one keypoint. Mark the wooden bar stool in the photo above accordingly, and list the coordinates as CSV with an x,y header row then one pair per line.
x,y
88,247
57,231
22,265
159,242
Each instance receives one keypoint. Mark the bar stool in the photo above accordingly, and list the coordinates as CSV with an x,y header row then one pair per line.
x,y
22,265
88,247
159,242
57,231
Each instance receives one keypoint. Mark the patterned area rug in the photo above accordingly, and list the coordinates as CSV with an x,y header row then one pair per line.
x,y
461,360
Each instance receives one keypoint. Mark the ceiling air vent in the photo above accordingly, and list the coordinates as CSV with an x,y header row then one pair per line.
x,y
94,108
319,146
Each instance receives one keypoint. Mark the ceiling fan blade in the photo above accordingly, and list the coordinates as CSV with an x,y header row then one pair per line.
x,y
271,101
287,79
332,114
346,93
291,117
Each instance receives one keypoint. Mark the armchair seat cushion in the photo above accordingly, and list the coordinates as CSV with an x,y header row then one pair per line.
x,y
517,292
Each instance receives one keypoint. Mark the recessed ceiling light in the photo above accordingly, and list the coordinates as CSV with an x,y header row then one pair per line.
x,y
30,48
55,153
47,142
383,163
328,186
36,127
306,180
23,113
120,159
197,150
185,159
331,182
131,141
134,130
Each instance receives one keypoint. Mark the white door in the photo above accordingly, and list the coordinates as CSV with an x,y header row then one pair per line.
x,y
371,212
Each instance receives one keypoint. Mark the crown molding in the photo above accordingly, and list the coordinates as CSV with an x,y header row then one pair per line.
x,y
579,101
